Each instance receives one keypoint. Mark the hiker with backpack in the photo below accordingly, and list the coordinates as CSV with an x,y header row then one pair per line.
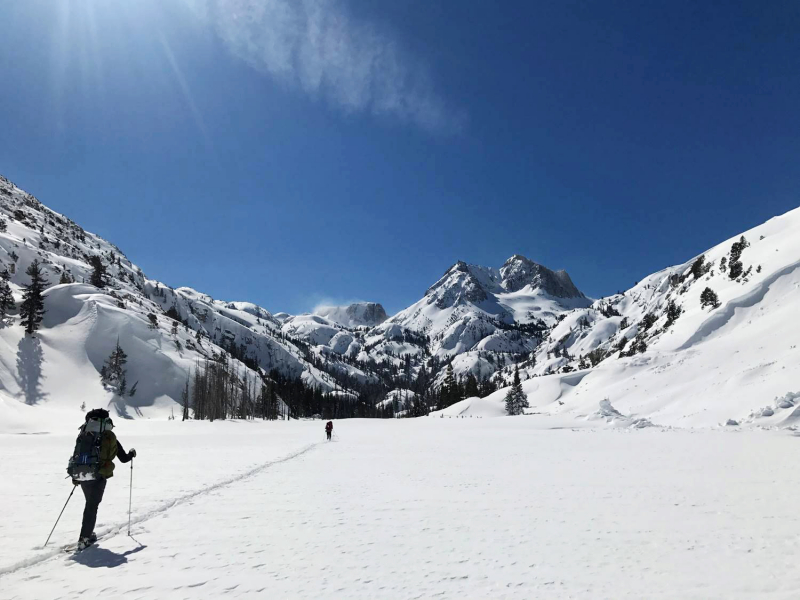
x,y
92,464
329,429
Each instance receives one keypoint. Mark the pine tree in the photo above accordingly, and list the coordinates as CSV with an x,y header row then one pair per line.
x,y
737,248
736,269
272,404
709,298
673,312
487,387
185,400
97,279
6,299
471,386
113,373
65,278
648,321
516,400
699,267
449,391
32,308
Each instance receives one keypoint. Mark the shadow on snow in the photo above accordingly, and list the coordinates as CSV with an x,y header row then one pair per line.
x,y
96,557
29,367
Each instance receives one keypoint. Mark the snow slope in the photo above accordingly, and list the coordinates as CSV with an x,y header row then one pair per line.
x,y
60,366
735,362
413,508
653,351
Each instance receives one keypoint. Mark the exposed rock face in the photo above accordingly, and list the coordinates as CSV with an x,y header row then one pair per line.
x,y
459,285
358,314
518,271
366,313
463,283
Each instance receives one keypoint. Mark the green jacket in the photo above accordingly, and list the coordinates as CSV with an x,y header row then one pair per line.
x,y
108,450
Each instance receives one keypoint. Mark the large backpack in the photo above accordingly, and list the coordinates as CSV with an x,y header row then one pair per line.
x,y
84,464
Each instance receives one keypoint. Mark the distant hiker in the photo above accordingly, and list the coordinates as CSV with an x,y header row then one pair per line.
x,y
329,429
92,463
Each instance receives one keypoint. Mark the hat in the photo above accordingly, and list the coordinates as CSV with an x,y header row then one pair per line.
x,y
97,413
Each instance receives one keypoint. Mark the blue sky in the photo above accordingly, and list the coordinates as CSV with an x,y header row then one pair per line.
x,y
296,152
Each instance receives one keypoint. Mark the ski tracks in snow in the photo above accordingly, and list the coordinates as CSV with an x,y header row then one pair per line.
x,y
112,531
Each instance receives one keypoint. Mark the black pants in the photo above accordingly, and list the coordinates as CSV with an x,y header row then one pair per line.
x,y
93,491
329,434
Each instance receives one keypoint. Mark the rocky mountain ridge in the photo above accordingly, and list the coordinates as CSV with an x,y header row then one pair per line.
x,y
464,337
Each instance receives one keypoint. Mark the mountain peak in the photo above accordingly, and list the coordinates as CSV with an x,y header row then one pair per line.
x,y
519,271
459,266
462,283
357,314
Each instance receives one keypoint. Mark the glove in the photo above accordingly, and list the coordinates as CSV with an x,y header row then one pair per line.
x,y
75,482
132,453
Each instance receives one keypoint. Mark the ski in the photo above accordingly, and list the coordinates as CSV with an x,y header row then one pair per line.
x,y
73,548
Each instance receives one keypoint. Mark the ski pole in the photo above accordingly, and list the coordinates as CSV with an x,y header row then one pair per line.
x,y
130,500
59,514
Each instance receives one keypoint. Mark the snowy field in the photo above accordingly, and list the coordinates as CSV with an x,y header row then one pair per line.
x,y
426,508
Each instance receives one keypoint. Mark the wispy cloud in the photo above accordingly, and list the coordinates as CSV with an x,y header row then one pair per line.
x,y
320,303
318,47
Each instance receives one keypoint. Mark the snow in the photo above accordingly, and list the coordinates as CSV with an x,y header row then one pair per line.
x,y
416,508
463,310
666,473
59,367
473,407
311,328
358,314
707,367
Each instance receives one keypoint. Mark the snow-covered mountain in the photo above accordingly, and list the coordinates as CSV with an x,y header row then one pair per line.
x,y
477,317
712,340
699,343
475,314
165,332
358,314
